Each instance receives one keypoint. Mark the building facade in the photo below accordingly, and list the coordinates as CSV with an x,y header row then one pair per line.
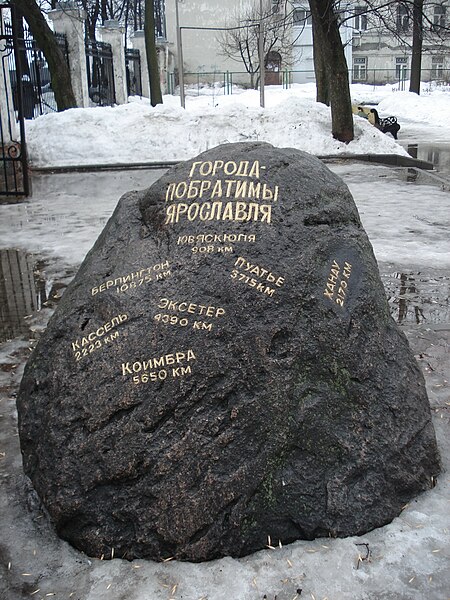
x,y
200,23
381,47
377,44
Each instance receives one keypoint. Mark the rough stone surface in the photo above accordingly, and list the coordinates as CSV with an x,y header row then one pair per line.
x,y
209,382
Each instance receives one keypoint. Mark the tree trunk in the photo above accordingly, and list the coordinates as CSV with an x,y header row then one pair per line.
x,y
327,35
322,84
152,58
17,17
58,67
104,11
416,59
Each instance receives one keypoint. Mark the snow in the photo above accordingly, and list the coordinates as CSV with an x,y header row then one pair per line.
x,y
432,109
407,223
136,132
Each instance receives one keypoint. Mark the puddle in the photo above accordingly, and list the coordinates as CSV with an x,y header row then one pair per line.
x,y
416,297
418,176
24,289
436,153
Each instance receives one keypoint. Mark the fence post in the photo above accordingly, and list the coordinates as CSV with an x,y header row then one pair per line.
x,y
138,41
113,33
68,19
8,129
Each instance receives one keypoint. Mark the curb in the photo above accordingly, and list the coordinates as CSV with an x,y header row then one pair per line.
x,y
104,167
394,160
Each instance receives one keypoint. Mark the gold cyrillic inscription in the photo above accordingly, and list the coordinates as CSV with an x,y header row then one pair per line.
x,y
94,340
159,368
337,285
136,279
221,198
192,308
261,276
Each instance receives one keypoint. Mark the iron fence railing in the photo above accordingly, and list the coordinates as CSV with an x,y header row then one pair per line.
x,y
38,96
223,83
14,180
100,73
400,78
133,68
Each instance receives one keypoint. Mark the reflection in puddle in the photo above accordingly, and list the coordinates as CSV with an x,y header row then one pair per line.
x,y
436,153
23,291
411,176
418,298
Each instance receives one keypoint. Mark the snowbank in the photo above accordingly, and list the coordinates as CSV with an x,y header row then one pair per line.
x,y
433,109
136,132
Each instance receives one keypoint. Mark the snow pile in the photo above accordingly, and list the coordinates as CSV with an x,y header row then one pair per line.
x,y
433,109
136,132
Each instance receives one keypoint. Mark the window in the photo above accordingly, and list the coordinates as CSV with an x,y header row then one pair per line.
x,y
402,18
438,17
359,69
360,18
437,67
401,67
301,17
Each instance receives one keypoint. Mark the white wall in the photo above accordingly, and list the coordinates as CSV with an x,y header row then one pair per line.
x,y
303,65
200,48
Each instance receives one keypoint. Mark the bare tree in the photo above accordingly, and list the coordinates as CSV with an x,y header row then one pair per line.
x,y
320,69
152,58
239,42
417,45
330,58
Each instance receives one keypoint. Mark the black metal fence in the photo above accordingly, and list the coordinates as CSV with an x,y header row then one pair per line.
x,y
100,73
13,157
133,68
38,96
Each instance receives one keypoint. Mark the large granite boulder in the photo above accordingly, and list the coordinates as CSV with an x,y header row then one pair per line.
x,y
224,368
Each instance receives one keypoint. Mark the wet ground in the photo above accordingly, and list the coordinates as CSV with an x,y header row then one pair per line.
x,y
416,140
42,242
418,297
436,153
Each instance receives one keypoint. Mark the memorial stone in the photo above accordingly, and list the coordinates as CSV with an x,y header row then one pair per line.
x,y
224,371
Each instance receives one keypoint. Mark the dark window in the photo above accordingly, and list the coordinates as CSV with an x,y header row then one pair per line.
x,y
160,19
401,68
403,20
360,18
301,17
439,20
437,67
